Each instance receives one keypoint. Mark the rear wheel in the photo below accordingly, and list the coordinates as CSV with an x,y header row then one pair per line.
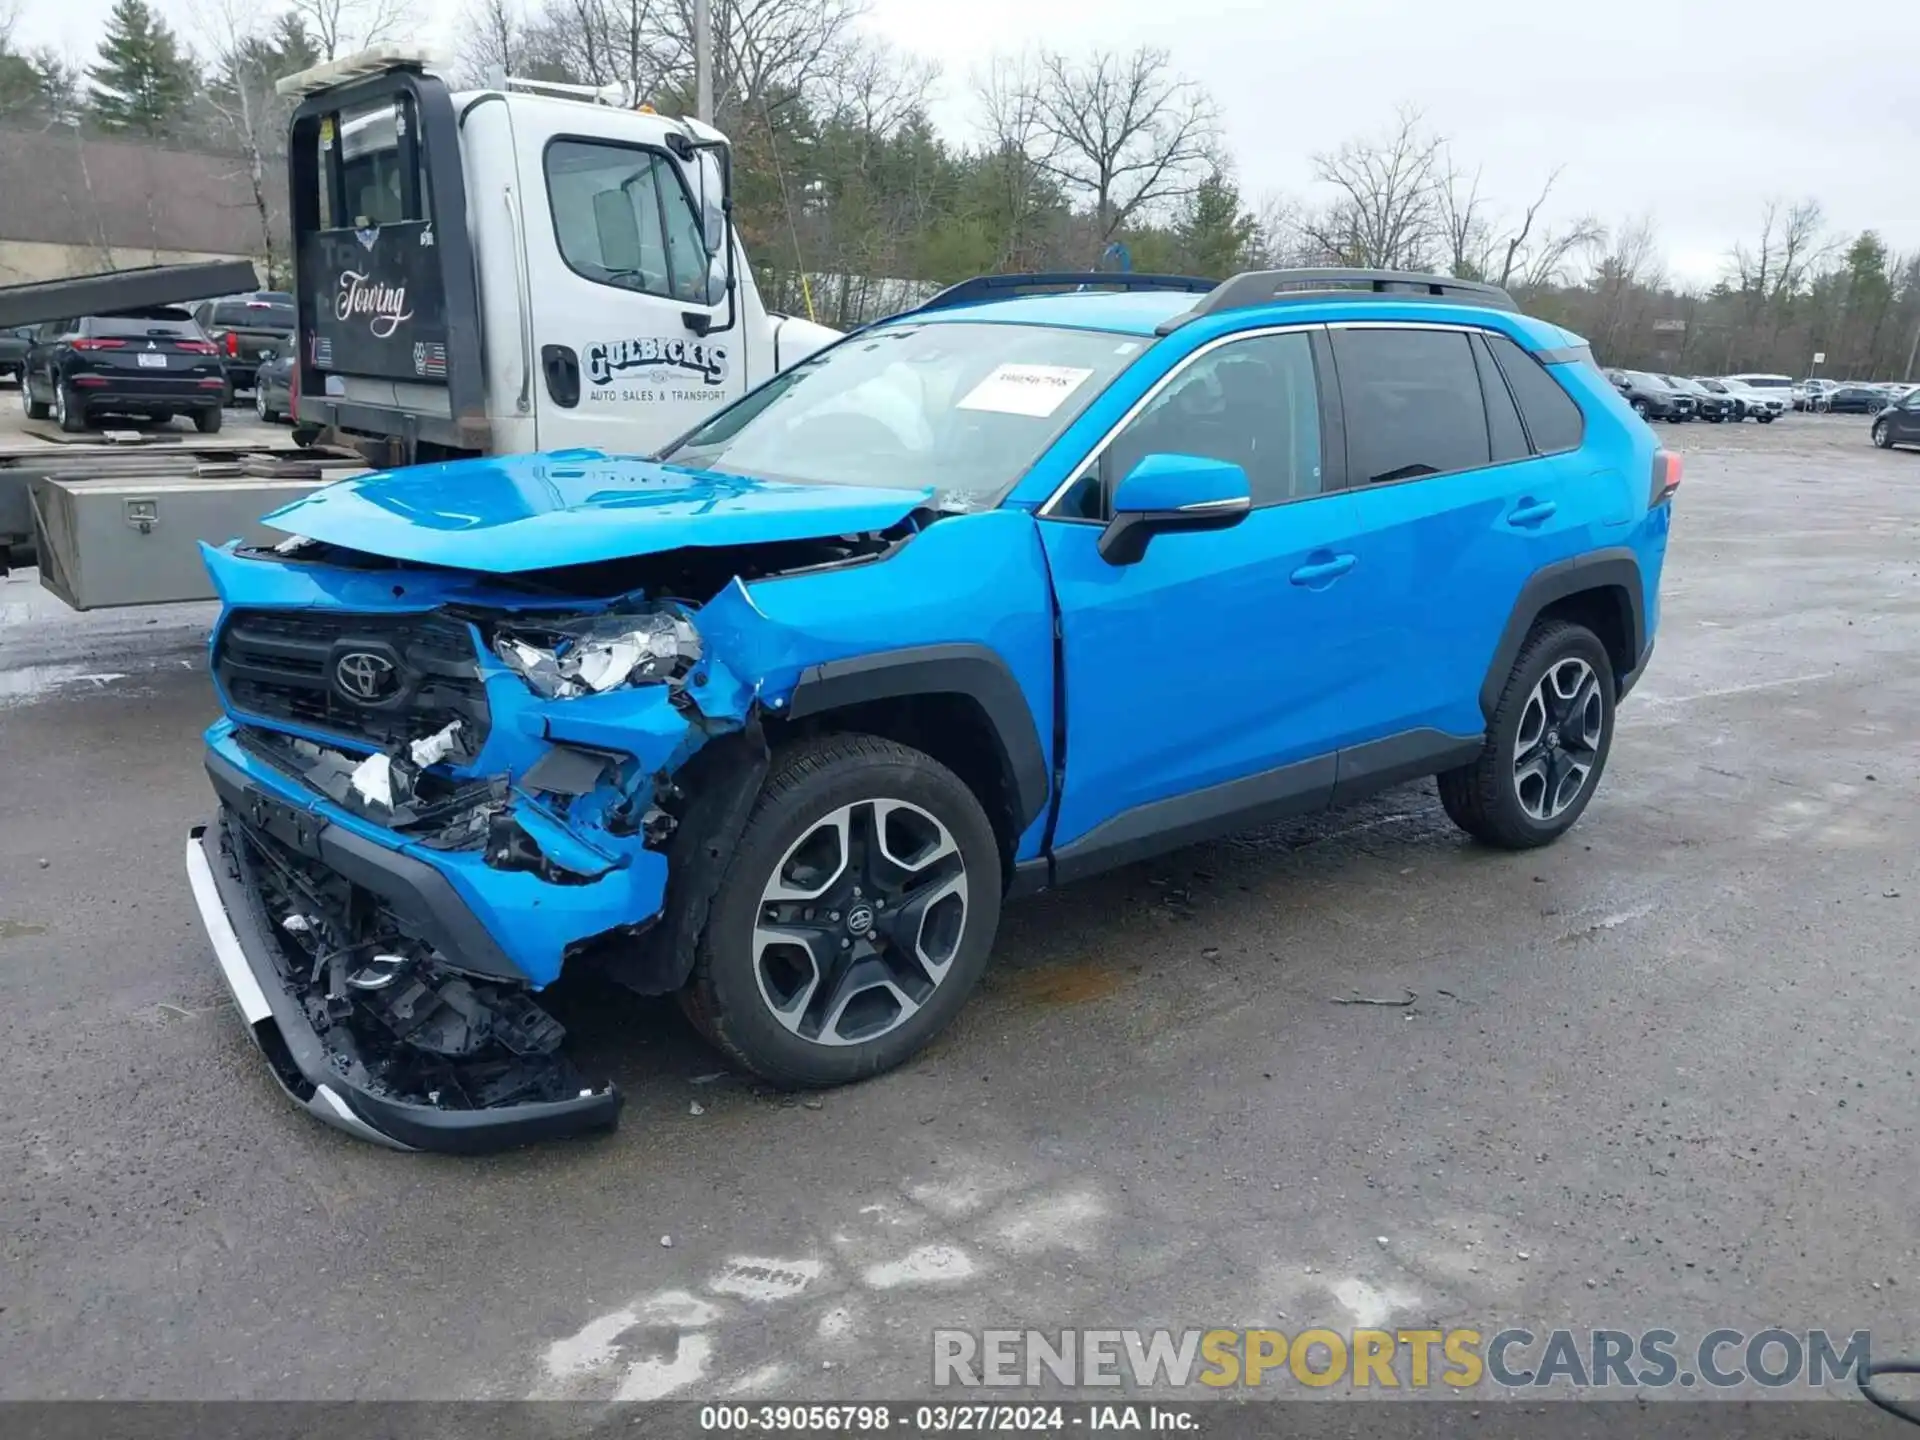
x,y
260,406
1546,747
855,916
68,409
207,422
32,408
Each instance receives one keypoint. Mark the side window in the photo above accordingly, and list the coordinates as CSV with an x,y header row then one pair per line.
x,y
1253,402
621,217
1504,430
1553,421
1412,399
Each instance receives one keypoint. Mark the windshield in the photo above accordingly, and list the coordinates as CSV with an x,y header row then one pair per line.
x,y
964,407
1766,382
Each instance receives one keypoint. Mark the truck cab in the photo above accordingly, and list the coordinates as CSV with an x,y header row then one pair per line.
x,y
502,270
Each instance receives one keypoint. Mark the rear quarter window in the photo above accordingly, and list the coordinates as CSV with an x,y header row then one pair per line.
x,y
1554,422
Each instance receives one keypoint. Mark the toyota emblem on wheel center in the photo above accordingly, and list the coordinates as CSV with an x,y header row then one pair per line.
x,y
363,675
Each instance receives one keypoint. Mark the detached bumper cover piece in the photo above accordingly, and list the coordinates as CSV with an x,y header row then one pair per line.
x,y
319,1076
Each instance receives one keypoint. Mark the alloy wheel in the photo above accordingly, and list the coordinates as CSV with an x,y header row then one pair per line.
x,y
860,922
60,403
1558,742
1882,436
260,400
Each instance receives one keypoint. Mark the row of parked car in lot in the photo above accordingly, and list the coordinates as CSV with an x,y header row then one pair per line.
x,y
1765,398
157,363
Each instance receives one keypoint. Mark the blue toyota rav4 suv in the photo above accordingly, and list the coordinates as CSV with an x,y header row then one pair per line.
x,y
1046,576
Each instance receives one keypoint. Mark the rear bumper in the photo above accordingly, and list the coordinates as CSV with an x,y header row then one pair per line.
x,y
149,395
316,1076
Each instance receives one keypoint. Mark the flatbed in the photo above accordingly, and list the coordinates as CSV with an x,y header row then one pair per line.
x,y
119,521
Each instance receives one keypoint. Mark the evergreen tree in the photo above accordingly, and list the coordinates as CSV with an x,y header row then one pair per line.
x,y
1214,236
142,83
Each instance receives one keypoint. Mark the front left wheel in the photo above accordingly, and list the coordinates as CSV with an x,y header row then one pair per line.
x,y
1547,745
855,917
1883,434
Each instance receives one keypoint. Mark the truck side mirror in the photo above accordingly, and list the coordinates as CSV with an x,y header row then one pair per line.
x,y
713,200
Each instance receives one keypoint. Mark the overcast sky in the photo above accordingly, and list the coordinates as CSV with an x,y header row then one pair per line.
x,y
1695,112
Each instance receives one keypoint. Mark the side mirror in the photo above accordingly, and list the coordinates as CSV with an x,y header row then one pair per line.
x,y
1165,494
712,185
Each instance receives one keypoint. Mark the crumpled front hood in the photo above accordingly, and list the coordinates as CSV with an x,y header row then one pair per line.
x,y
575,507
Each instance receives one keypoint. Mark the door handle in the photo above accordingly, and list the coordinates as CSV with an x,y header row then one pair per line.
x,y
1322,569
562,370
1532,512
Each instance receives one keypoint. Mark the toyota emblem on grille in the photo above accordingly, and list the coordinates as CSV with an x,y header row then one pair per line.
x,y
363,675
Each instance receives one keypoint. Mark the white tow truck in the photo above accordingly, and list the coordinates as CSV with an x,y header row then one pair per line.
x,y
524,266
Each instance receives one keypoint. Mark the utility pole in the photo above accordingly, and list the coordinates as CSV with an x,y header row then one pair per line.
x,y
703,61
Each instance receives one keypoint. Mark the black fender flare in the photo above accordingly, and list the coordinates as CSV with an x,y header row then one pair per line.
x,y
970,670
1615,568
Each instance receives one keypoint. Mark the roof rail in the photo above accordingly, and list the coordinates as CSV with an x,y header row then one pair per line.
x,y
993,287
1267,287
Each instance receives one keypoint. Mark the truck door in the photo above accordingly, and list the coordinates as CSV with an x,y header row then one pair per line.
x,y
623,292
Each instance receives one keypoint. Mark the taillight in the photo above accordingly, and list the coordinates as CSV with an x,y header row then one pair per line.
x,y
1666,477
233,343
89,344
197,347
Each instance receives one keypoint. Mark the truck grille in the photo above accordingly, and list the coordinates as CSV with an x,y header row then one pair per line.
x,y
385,679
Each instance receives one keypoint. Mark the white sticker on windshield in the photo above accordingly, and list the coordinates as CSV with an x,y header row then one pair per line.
x,y
1025,389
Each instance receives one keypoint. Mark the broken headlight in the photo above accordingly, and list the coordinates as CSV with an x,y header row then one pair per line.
x,y
600,653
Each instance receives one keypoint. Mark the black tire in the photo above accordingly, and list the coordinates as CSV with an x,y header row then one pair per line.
x,y
1765,417
1482,797
34,409
808,782
207,422
261,408
161,417
1883,434
70,409
1715,419
1640,408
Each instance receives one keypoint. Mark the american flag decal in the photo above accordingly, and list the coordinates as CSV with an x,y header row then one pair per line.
x,y
430,360
323,352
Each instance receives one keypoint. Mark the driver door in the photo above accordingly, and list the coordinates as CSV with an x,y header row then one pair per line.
x,y
1210,678
620,297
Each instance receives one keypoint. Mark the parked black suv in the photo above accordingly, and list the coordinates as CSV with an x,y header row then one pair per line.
x,y
1706,404
248,329
153,363
1651,397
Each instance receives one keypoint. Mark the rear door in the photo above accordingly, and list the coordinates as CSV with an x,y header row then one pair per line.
x,y
1457,505
615,255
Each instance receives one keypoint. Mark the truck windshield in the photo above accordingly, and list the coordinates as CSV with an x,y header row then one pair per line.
x,y
964,407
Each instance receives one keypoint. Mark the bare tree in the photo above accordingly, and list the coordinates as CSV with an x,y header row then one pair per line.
x,y
340,27
1010,120
1123,131
1387,211
1528,253
492,37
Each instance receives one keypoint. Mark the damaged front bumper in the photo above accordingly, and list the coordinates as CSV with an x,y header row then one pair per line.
x,y
327,1064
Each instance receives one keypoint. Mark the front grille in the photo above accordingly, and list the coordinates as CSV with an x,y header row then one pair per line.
x,y
285,665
